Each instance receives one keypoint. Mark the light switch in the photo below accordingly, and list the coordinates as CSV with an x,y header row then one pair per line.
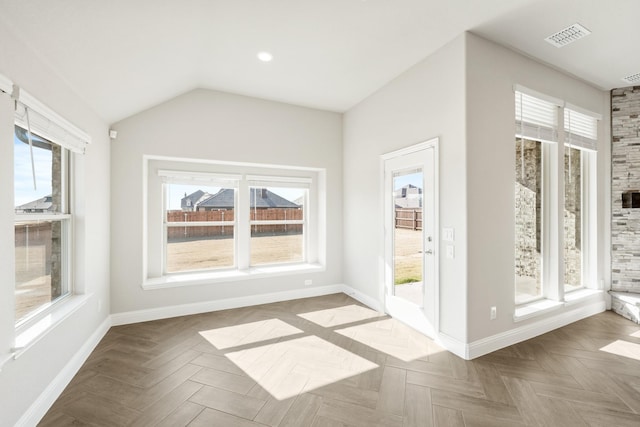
x,y
447,234
451,252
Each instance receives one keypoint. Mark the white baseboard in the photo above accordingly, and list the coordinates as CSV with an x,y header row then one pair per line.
x,y
531,330
452,345
363,298
126,318
41,405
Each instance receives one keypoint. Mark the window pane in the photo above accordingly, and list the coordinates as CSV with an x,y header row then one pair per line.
x,y
528,220
199,248
572,219
277,236
40,273
46,196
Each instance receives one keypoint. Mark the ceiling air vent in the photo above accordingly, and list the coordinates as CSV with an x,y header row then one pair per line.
x,y
633,78
568,35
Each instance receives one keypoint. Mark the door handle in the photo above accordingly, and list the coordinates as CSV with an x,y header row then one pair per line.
x,y
428,251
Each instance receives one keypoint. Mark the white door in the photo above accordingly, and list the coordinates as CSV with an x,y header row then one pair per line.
x,y
411,279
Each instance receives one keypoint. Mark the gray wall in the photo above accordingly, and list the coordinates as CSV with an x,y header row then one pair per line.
x,y
211,125
23,380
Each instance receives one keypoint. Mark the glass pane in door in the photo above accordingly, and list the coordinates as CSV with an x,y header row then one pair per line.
x,y
408,247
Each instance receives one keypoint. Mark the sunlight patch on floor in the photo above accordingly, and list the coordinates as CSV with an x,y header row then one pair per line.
x,y
249,333
289,367
340,315
623,348
391,337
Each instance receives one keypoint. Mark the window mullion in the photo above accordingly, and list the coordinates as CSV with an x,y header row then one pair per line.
x,y
243,232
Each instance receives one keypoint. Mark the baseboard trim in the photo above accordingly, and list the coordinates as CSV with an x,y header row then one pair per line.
x,y
41,405
365,299
137,316
525,332
452,345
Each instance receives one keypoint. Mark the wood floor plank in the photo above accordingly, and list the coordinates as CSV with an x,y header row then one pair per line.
x,y
356,415
227,401
159,410
468,404
182,415
303,411
211,417
391,395
447,417
417,407
231,382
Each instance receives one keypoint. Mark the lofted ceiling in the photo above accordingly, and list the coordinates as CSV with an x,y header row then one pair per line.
x,y
123,56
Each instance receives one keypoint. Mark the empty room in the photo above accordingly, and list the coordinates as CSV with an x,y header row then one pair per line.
x,y
335,213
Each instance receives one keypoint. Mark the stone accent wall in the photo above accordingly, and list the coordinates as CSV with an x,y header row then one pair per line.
x,y
625,176
528,204
572,217
56,226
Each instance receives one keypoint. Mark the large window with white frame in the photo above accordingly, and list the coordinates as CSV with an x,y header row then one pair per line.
x,y
555,150
218,219
42,224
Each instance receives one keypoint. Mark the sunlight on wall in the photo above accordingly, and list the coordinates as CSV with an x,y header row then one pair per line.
x,y
623,348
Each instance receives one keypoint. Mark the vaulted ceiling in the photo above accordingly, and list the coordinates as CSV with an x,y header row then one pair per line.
x,y
123,56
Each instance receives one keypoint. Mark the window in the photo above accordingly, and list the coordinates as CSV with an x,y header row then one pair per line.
x,y
42,224
552,239
230,220
580,138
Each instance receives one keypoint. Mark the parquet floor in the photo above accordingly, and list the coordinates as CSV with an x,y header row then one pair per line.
x,y
329,361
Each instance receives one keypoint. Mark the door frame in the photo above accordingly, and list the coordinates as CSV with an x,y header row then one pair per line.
x,y
428,326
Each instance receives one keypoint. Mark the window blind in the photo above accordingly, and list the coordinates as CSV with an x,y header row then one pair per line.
x,y
581,130
191,178
536,119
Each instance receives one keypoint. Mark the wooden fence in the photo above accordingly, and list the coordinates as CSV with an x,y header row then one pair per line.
x,y
409,218
182,232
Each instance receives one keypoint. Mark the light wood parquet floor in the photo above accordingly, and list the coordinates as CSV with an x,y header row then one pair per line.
x,y
329,361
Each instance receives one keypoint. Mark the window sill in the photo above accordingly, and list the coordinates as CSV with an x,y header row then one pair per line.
x,y
205,278
31,335
544,306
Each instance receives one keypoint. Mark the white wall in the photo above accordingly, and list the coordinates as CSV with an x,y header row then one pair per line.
x,y
426,101
492,72
23,380
211,125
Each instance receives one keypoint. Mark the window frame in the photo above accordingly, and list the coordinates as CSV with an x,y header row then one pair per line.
x,y
154,274
66,219
552,210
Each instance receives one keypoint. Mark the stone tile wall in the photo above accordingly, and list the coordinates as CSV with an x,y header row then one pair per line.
x,y
625,171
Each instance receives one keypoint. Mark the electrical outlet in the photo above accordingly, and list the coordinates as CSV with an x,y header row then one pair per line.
x,y
308,282
494,313
451,252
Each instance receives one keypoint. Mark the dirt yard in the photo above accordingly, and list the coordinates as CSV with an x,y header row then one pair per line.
x,y
408,256
217,253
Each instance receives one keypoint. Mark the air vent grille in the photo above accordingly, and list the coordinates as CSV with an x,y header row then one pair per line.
x,y
568,35
633,78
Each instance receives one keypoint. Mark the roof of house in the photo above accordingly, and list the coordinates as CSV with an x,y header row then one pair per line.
x,y
259,197
43,204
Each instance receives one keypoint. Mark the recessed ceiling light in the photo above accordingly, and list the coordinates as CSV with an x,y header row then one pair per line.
x,y
265,56
567,36
633,78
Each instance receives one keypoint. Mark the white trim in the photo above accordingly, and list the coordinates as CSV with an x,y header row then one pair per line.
x,y
365,299
231,274
173,176
274,181
147,157
409,150
41,405
513,336
126,318
453,345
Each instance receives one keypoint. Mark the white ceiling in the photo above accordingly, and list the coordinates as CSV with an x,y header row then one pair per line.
x,y
123,56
